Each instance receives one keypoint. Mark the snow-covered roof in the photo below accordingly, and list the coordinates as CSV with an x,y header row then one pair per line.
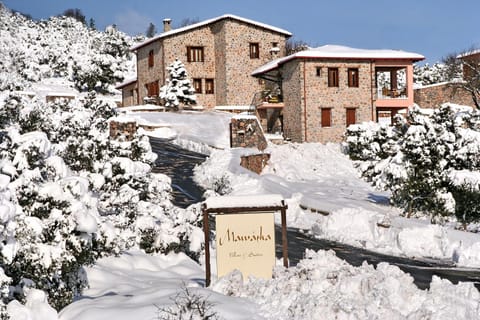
x,y
250,201
468,53
342,52
126,83
209,21
234,108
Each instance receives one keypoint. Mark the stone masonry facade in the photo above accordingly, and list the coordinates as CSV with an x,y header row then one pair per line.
x,y
435,95
227,61
246,132
306,92
255,162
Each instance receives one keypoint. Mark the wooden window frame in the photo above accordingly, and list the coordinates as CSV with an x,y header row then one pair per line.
x,y
254,50
209,86
151,58
195,54
197,85
326,117
353,80
347,119
153,89
333,77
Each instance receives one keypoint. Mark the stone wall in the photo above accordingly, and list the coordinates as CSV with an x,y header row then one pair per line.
x,y
434,95
293,111
227,60
305,90
130,95
146,74
119,128
240,85
245,132
255,162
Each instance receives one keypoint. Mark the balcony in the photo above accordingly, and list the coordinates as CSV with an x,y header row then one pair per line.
x,y
271,100
387,93
394,85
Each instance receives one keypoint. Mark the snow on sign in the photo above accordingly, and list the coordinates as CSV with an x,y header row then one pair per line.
x,y
246,242
245,234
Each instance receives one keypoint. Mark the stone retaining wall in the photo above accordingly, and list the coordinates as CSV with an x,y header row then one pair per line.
x,y
255,162
245,132
435,95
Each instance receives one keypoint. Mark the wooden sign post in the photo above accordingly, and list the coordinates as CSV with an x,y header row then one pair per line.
x,y
245,238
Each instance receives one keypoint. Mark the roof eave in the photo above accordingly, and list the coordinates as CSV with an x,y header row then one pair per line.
x,y
207,22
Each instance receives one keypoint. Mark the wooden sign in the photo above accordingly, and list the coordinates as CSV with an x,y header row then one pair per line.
x,y
246,242
245,234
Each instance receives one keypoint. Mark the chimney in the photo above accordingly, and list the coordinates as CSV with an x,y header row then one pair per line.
x,y
167,25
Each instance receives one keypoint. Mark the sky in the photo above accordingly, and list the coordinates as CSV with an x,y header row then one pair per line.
x,y
433,28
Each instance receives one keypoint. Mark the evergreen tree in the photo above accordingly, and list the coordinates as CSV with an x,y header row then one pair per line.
x,y
178,89
151,31
92,24
424,164
76,14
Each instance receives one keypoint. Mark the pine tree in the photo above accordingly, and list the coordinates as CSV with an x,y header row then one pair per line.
x,y
92,24
178,89
151,31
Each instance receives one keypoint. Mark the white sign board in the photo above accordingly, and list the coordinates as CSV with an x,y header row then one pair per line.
x,y
246,242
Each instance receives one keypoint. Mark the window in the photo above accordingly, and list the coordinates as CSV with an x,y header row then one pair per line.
x,y
151,60
326,117
319,71
197,85
351,116
209,86
333,77
254,51
195,54
352,77
152,89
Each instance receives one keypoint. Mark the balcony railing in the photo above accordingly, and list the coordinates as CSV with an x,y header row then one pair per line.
x,y
386,93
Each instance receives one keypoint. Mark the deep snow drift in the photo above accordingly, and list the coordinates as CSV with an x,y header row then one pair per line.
x,y
321,286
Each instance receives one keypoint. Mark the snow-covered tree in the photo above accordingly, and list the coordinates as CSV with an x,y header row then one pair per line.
x,y
73,195
61,47
178,89
68,192
426,74
151,30
426,161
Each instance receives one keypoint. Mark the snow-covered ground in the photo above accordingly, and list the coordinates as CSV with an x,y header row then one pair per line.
x,y
317,178
311,176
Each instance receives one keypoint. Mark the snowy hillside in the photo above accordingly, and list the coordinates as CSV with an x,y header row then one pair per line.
x,y
61,47
88,230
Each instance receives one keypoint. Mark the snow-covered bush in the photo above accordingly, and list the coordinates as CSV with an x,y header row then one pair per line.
x,y
61,47
51,224
426,74
413,160
178,89
188,305
70,194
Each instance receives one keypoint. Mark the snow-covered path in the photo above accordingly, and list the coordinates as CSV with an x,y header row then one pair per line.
x,y
322,284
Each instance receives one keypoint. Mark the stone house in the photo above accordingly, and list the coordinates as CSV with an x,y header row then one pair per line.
x,y
219,55
432,96
326,89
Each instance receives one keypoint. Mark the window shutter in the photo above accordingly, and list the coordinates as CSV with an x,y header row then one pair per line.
x,y
326,117
351,116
